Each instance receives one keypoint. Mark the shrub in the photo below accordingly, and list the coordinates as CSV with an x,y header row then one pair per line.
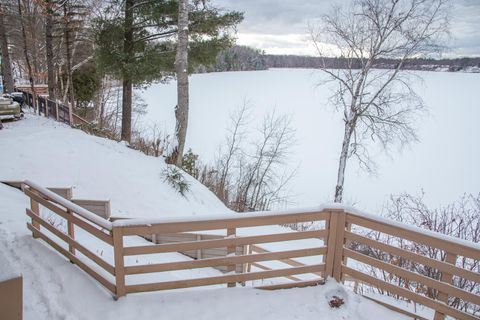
x,y
174,177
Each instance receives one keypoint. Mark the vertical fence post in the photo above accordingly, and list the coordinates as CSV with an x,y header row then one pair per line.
x,y
331,226
348,227
249,264
199,251
46,107
70,113
119,262
231,232
450,258
56,111
339,244
71,233
35,207
335,243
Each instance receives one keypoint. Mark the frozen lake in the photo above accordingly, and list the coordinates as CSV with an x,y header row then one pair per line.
x,y
445,163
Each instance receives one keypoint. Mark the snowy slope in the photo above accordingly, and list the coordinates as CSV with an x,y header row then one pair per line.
x,y
56,289
54,155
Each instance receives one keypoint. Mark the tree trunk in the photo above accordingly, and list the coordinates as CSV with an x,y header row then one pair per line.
x,y
342,164
127,82
71,94
6,64
98,105
32,19
181,65
49,51
127,110
27,59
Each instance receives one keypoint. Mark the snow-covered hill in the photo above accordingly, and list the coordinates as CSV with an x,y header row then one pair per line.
x,y
54,155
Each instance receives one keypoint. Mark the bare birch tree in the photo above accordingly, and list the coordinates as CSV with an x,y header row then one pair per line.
x,y
181,66
378,105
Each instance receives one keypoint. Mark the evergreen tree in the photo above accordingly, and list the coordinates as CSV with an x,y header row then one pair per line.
x,y
136,42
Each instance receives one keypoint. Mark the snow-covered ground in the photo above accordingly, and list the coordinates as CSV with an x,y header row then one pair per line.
x,y
55,155
444,164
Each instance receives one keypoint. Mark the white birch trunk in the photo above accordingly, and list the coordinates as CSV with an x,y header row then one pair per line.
x,y
181,65
342,163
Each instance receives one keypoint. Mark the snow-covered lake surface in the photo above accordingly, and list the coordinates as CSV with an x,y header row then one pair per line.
x,y
444,163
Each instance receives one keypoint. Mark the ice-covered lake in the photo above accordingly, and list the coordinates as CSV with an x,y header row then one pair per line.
x,y
444,164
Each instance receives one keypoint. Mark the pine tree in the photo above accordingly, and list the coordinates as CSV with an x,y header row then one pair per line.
x,y
136,41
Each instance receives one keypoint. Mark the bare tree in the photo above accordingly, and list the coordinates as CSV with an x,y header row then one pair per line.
x,y
235,137
6,65
49,49
249,172
25,51
378,105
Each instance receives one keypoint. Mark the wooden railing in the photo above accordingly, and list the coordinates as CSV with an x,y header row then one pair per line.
x,y
334,254
231,241
75,216
53,109
448,268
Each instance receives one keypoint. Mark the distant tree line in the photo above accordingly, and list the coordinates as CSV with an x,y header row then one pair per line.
x,y
310,62
244,58
236,58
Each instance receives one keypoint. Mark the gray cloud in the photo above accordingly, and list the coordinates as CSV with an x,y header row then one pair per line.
x,y
268,17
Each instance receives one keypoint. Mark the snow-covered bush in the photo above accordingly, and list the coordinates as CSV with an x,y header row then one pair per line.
x,y
174,177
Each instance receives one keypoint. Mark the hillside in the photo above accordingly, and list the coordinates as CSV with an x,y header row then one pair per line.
x,y
56,289
54,155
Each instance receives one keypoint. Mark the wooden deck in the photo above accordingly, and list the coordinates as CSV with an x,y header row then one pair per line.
x,y
236,252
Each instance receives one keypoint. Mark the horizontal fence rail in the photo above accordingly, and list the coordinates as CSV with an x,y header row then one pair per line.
x,y
342,250
231,241
438,292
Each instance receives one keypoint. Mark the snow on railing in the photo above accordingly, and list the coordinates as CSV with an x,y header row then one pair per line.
x,y
70,205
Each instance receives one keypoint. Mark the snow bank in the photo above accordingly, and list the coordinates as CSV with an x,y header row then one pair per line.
x,y
53,155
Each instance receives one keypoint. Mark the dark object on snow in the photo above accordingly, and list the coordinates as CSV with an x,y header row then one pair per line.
x,y
1,125
18,97
336,302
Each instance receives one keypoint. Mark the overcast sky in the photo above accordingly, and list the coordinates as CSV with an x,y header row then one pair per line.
x,y
281,26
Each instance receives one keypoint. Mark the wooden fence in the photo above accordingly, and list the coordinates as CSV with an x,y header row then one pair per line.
x,y
334,256
204,253
53,109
